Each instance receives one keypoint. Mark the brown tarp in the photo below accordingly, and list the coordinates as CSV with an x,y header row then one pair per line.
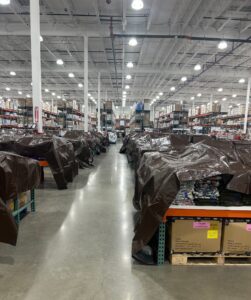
x,y
8,226
17,174
57,151
160,174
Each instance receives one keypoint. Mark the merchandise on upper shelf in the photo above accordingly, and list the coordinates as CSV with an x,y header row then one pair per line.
x,y
172,117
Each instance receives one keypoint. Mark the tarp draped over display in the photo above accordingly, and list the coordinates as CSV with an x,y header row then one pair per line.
x,y
160,174
57,151
17,174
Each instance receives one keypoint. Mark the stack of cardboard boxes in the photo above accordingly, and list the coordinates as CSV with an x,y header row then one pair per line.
x,y
19,202
230,237
204,109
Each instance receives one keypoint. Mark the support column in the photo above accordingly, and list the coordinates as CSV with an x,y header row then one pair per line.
x,y
36,64
211,98
86,83
99,128
247,106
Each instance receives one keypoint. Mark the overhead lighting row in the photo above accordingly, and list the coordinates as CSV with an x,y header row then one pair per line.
x,y
92,98
4,2
157,98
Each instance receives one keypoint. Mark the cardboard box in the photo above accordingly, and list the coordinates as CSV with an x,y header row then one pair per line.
x,y
236,237
203,109
108,105
23,199
197,111
213,107
176,107
191,236
10,205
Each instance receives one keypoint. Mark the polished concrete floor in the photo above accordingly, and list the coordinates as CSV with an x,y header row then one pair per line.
x,y
77,246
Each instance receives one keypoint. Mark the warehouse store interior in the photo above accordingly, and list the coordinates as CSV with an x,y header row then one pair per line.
x,y
125,145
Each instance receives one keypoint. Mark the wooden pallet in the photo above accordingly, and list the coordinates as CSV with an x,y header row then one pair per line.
x,y
209,259
196,259
237,260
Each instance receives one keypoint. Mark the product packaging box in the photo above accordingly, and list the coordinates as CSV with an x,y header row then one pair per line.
x,y
203,109
236,237
10,205
108,105
191,236
213,107
23,199
177,107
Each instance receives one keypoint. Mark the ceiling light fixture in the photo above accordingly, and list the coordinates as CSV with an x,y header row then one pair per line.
x,y
129,65
28,96
215,101
133,42
222,45
172,88
137,4
234,95
12,73
199,95
80,85
59,97
192,98
220,89
20,93
197,67
161,94
238,104
224,99
127,87
71,75
128,77
53,94
60,62
124,92
89,95
242,80
7,89
4,2
41,39
184,78
157,97
46,90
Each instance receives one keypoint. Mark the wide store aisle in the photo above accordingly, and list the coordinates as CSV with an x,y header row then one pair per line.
x,y
78,246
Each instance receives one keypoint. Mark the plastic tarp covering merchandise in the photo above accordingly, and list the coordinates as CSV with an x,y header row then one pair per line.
x,y
81,148
57,151
160,175
17,174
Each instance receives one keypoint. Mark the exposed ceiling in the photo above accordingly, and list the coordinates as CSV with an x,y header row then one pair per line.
x,y
173,36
